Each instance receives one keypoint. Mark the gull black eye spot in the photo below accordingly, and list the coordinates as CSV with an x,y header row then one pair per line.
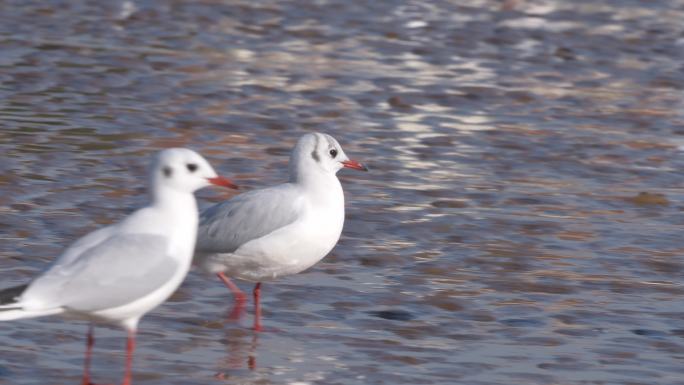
x,y
168,171
192,167
333,152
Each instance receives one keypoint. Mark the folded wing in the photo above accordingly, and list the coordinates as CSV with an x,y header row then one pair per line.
x,y
226,226
121,269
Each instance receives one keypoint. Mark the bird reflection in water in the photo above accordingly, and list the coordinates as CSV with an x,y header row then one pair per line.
x,y
241,349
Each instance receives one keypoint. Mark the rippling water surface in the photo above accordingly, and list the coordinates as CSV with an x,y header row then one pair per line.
x,y
521,224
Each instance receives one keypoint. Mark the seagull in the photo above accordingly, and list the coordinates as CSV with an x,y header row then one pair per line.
x,y
120,272
281,230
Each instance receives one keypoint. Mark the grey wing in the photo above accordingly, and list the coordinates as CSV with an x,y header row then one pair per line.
x,y
84,243
226,226
120,270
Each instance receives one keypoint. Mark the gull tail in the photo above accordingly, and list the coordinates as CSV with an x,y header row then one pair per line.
x,y
11,308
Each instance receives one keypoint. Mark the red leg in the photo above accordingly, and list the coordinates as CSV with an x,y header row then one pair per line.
x,y
130,346
257,307
240,297
90,341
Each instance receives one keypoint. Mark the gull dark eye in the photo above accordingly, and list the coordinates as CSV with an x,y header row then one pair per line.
x,y
333,153
191,167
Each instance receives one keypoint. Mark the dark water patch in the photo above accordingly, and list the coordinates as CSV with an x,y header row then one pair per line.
x,y
5,371
541,341
650,333
466,337
649,199
513,322
579,332
531,287
449,204
394,315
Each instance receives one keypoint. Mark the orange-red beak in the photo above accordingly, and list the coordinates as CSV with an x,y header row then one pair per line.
x,y
223,182
355,165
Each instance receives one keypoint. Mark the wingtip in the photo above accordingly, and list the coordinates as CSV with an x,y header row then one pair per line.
x,y
10,295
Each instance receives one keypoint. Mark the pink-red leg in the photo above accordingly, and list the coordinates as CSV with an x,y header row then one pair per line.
x,y
238,295
90,341
130,346
257,307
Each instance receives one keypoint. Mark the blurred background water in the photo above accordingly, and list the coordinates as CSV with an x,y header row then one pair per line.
x,y
521,223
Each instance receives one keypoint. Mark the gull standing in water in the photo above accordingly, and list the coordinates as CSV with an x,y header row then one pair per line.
x,y
265,234
118,273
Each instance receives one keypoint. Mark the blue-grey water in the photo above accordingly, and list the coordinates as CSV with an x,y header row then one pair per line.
x,y
522,223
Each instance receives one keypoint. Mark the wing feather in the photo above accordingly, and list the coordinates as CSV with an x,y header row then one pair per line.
x,y
115,272
226,226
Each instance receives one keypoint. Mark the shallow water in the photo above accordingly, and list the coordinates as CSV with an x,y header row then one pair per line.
x,y
521,223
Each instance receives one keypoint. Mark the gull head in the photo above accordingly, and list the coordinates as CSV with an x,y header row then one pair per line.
x,y
184,170
322,153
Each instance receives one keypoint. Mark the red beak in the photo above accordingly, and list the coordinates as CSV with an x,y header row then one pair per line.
x,y
223,182
355,165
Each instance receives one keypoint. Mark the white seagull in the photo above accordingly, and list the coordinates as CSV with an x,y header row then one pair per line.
x,y
118,273
264,234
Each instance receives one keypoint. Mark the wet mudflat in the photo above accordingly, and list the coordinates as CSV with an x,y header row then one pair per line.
x,y
521,224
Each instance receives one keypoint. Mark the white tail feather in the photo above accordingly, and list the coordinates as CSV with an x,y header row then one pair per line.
x,y
10,313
